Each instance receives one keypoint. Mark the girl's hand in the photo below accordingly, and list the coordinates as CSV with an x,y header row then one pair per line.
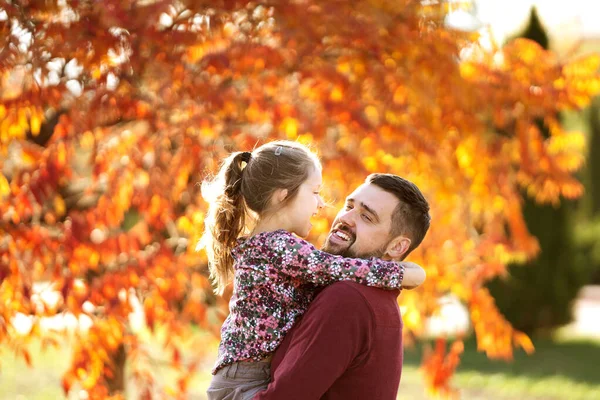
x,y
414,275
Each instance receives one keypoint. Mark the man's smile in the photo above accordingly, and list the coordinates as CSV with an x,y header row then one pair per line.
x,y
342,235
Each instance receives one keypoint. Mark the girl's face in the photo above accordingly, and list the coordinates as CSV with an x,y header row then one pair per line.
x,y
305,205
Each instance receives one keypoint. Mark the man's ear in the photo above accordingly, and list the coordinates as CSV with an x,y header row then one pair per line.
x,y
398,247
279,196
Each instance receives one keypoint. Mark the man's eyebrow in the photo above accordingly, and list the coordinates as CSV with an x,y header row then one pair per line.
x,y
370,210
350,200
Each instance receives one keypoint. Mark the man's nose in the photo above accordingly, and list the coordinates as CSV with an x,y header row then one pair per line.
x,y
347,218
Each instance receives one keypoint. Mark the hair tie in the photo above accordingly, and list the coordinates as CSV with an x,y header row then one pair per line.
x,y
246,156
278,150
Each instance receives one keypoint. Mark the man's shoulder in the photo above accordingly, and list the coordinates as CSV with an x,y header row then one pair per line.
x,y
341,296
343,289
349,288
351,294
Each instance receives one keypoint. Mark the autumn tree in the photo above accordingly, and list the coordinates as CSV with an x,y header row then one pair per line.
x,y
553,279
112,111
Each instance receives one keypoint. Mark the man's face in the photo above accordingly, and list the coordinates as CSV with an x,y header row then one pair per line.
x,y
362,228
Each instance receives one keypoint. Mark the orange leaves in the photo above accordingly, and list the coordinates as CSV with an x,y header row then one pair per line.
x,y
523,341
94,359
108,206
580,80
4,186
495,335
16,122
438,367
289,125
546,164
528,53
522,239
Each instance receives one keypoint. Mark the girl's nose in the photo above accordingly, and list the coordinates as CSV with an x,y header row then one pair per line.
x,y
321,203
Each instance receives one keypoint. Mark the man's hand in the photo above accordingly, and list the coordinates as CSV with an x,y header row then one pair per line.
x,y
414,275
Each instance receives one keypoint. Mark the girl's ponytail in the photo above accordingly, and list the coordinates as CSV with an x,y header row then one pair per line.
x,y
226,218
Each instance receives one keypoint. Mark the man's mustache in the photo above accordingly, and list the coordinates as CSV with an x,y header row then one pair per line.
x,y
345,228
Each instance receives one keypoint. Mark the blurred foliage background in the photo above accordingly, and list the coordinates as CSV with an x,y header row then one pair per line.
x,y
111,112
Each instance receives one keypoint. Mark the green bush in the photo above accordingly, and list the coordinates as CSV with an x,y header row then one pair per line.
x,y
539,295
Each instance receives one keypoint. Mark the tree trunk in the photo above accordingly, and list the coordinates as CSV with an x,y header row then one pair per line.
x,y
116,383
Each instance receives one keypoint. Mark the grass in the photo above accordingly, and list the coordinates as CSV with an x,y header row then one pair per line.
x,y
558,370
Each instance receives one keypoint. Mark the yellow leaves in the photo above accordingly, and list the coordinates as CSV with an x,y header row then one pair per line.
x,y
4,186
184,225
87,140
527,51
289,126
306,139
368,145
468,70
463,156
207,131
372,115
572,189
371,164
566,141
580,81
344,67
400,95
22,114
157,205
569,162
351,68
59,205
583,67
411,100
337,94
195,53
254,113
466,153
15,122
96,73
36,123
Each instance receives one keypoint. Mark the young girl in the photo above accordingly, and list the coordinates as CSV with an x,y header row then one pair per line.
x,y
275,272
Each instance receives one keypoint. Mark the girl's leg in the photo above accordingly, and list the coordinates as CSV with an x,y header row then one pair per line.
x,y
239,381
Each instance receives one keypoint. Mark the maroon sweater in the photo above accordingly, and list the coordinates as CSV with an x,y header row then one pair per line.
x,y
348,345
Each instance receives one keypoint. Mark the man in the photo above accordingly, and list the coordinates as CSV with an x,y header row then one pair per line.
x,y
348,345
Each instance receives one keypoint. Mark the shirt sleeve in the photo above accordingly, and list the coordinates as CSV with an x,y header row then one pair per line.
x,y
331,336
300,259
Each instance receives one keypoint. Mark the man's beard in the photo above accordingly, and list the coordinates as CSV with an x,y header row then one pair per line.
x,y
349,252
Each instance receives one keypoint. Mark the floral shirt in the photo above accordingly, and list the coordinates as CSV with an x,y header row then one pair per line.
x,y
276,274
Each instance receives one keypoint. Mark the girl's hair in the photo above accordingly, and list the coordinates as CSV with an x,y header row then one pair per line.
x,y
238,194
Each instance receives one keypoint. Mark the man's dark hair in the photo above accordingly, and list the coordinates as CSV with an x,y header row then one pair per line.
x,y
411,216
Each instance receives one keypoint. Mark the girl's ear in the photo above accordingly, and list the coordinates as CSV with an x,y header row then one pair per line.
x,y
398,247
279,196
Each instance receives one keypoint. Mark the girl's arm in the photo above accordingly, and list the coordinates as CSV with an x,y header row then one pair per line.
x,y
300,259
414,275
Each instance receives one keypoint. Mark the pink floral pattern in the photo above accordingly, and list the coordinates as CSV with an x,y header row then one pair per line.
x,y
276,275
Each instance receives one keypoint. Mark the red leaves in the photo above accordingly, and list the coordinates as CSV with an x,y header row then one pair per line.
x,y
439,366
108,209
495,336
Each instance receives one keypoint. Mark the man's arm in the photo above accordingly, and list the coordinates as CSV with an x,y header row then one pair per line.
x,y
331,335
